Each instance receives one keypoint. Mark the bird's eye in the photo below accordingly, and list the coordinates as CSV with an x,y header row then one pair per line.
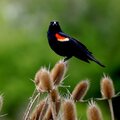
x,y
51,23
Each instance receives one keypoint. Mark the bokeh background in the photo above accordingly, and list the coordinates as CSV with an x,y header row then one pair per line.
x,y
24,47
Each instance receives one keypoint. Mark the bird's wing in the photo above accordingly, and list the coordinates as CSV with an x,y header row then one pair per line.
x,y
75,43
81,46
61,37
78,49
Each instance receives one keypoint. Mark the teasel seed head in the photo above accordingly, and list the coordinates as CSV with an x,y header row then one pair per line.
x,y
69,110
58,72
1,102
80,90
107,87
93,112
43,80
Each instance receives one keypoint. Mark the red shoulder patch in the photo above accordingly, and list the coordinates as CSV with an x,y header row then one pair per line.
x,y
61,38
58,36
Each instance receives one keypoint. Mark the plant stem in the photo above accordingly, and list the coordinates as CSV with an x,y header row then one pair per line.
x,y
30,106
111,109
44,109
53,108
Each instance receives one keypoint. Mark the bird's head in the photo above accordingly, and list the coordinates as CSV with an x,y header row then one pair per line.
x,y
54,27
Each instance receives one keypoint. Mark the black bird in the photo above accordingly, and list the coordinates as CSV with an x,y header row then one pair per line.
x,y
66,46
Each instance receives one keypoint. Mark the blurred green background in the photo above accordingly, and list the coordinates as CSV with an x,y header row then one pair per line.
x,y
24,47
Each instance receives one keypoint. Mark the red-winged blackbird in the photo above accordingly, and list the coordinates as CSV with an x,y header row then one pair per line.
x,y
66,46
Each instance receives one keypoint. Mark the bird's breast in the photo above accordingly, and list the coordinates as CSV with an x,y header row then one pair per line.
x,y
59,44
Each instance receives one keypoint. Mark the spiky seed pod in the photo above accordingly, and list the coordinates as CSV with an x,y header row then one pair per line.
x,y
58,72
36,113
80,90
43,80
107,88
69,110
93,112
1,102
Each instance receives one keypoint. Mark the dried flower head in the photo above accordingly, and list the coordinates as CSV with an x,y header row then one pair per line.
x,y
93,112
107,87
1,102
58,72
80,90
43,80
69,110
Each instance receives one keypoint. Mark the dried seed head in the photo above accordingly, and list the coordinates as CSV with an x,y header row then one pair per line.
x,y
36,114
1,102
69,110
58,72
80,90
43,80
107,87
93,112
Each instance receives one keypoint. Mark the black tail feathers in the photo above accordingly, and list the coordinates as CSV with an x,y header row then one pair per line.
x,y
93,59
99,63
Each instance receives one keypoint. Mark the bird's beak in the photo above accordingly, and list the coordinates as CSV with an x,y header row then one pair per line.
x,y
54,23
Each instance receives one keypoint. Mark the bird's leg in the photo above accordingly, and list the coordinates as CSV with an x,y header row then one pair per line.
x,y
66,58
